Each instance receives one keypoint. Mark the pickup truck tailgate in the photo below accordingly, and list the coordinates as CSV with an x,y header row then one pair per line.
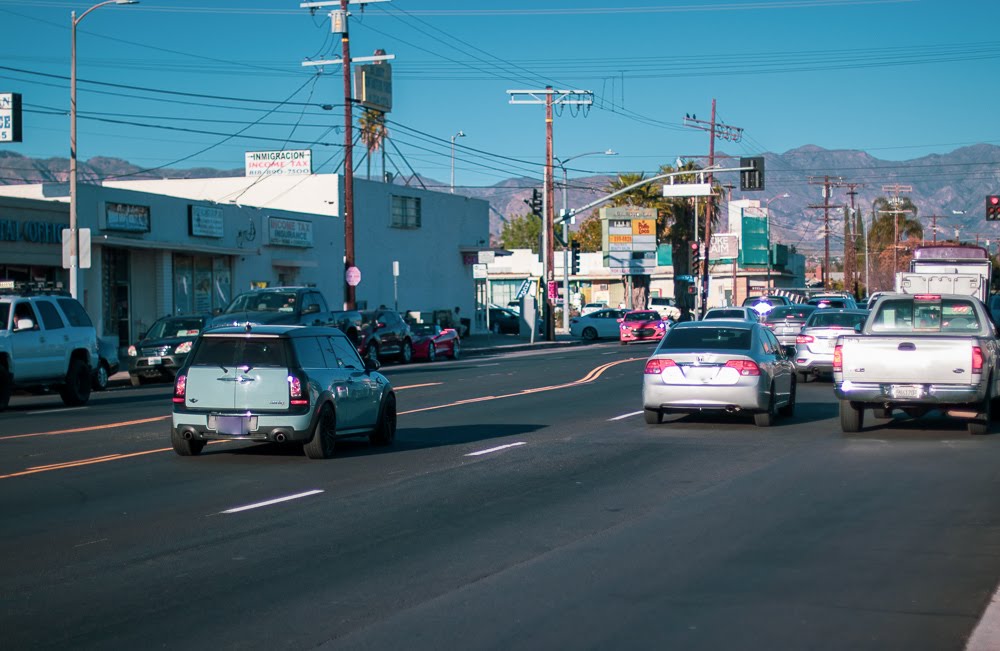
x,y
913,359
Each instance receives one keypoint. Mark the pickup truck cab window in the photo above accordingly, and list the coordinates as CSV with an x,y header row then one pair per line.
x,y
908,315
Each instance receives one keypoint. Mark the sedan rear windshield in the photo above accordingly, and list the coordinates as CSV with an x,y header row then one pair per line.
x,y
824,319
726,314
906,315
790,312
704,338
241,351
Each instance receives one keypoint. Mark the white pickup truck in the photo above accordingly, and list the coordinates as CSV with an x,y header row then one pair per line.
x,y
918,352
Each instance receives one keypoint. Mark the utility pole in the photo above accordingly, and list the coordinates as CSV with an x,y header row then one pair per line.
x,y
934,219
850,240
338,25
726,132
825,207
896,188
550,98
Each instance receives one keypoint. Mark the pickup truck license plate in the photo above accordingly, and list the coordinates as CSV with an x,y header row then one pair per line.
x,y
907,391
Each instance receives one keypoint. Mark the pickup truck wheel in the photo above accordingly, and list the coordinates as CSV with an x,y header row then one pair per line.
x,y
385,429
765,418
76,391
981,424
882,413
789,410
323,440
653,416
100,380
184,447
6,388
851,417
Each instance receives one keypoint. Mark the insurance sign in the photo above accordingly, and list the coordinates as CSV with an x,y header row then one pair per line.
x,y
10,117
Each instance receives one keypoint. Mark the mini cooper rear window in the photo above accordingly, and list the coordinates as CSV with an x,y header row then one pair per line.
x,y
241,351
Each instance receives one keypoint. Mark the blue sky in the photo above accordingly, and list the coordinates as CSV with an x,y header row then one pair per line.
x,y
897,78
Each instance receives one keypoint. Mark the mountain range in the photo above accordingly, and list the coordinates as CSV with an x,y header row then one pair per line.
x,y
952,186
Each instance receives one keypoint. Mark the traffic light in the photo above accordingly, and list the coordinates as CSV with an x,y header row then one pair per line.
x,y
752,179
535,202
694,257
575,257
993,208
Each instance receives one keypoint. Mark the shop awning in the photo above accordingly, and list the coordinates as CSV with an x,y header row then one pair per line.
x,y
129,243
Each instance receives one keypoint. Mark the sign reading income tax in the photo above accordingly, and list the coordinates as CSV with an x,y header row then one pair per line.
x,y
628,237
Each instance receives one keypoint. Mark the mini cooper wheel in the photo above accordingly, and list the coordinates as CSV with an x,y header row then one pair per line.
x,y
385,429
185,447
324,437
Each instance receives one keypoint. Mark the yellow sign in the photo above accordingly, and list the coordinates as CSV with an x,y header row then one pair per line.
x,y
644,227
620,239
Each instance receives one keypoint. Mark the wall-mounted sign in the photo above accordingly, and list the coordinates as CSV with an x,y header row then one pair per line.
x,y
725,246
126,217
373,86
205,221
12,230
291,162
10,117
290,232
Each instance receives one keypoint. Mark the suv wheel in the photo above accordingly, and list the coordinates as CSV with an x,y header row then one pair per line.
x,y
385,429
184,447
76,391
323,440
406,352
5,388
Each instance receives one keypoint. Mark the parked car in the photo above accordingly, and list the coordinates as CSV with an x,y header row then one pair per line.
x,y
742,313
162,350
590,308
815,343
602,323
642,325
385,335
666,306
504,321
785,321
431,341
721,366
276,305
107,362
280,384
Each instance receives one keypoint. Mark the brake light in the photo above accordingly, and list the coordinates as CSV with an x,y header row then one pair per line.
x,y
656,365
927,297
804,339
183,348
744,366
838,359
180,389
977,360
297,395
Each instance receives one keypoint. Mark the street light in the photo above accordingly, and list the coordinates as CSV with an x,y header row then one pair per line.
x,y
460,134
767,212
74,240
565,224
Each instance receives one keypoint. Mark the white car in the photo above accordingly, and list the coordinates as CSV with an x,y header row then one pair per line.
x,y
742,313
589,308
667,307
602,323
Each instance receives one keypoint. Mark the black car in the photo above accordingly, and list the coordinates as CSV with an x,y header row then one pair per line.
x,y
504,321
385,335
161,351
275,306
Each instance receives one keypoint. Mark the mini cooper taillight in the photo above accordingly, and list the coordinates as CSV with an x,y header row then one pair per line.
x,y
180,389
298,394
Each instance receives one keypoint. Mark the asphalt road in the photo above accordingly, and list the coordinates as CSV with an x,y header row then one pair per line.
x,y
590,530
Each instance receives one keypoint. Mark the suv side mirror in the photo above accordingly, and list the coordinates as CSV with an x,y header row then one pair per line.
x,y
24,324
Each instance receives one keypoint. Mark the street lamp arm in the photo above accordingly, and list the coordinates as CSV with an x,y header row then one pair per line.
x,y
77,19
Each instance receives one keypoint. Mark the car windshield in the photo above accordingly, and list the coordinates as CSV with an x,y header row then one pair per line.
x,y
241,351
176,327
642,316
424,329
906,315
263,302
704,338
789,312
823,319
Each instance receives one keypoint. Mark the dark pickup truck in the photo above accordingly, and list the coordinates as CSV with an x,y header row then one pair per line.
x,y
276,306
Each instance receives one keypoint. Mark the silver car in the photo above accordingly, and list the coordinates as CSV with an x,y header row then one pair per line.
x,y
785,321
277,384
719,366
815,343
602,323
743,313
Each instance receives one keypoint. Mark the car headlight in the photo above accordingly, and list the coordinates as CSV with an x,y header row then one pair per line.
x,y
132,352
183,347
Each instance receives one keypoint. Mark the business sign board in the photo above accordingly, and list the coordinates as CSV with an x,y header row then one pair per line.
x,y
628,237
289,232
205,221
687,190
725,246
291,162
373,86
126,217
10,117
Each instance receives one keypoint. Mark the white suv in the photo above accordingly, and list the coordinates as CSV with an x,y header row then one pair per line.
x,y
46,341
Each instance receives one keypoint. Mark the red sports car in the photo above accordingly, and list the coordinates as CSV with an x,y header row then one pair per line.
x,y
642,325
431,341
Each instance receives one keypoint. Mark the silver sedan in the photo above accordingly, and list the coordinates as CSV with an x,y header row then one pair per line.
x,y
719,366
815,342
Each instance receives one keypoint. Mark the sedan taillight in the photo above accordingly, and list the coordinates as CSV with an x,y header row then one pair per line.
x,y
657,365
804,339
744,366
180,389
838,359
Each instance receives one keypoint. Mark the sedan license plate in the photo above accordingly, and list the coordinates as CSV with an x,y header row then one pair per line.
x,y
907,391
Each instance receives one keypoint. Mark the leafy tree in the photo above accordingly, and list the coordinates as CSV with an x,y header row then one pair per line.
x,y
589,234
521,233
892,219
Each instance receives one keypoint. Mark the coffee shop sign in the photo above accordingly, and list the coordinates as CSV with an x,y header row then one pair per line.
x,y
12,230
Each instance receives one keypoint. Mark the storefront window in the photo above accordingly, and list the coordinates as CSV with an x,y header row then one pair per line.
x,y
223,283
202,284
183,284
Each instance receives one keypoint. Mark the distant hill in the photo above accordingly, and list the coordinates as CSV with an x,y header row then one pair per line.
x,y
952,185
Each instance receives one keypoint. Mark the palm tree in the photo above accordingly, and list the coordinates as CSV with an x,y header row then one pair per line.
x,y
894,220
373,133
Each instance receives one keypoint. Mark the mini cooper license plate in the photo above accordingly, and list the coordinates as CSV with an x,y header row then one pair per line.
x,y
232,425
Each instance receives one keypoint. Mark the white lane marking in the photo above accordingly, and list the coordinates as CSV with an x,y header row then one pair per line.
x,y
499,447
270,502
624,416
485,365
53,411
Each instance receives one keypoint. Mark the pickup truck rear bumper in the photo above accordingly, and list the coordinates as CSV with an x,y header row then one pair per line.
x,y
930,394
